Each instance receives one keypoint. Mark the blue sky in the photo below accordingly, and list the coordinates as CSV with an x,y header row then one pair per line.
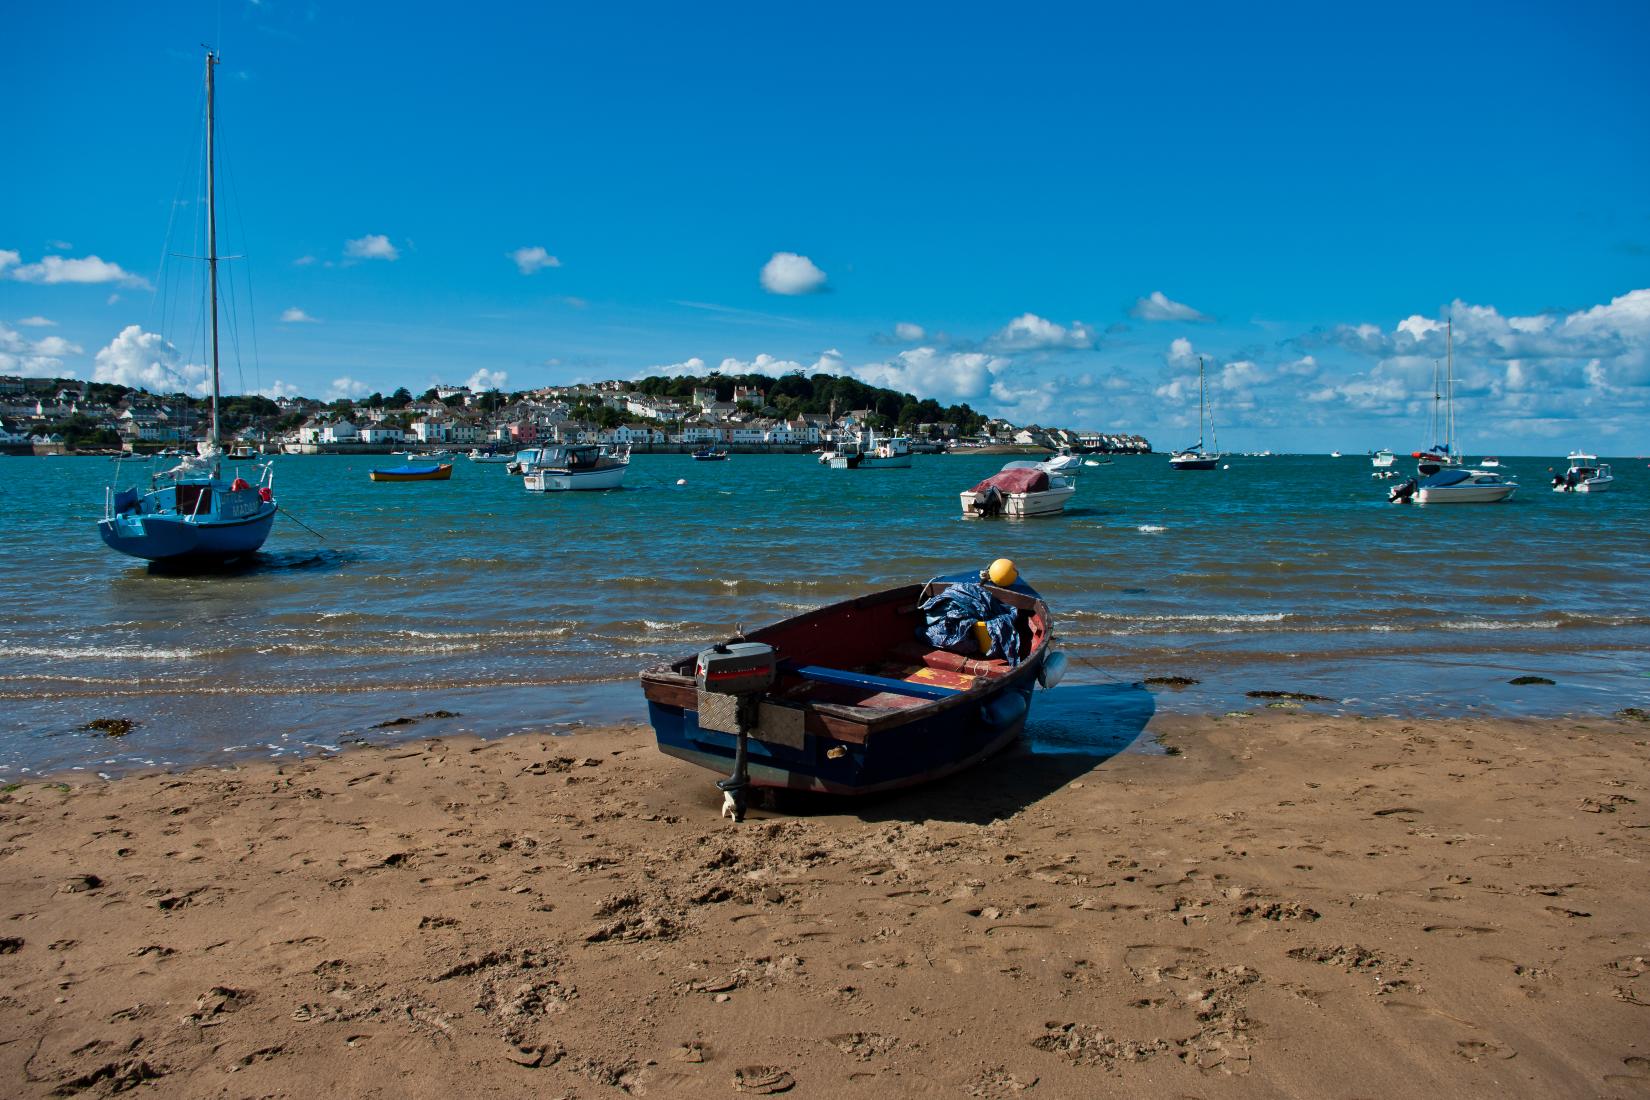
x,y
972,203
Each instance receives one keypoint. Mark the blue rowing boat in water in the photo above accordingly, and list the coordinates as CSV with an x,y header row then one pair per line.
x,y
861,698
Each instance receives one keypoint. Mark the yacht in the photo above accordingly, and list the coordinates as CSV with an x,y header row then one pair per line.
x,y
1195,457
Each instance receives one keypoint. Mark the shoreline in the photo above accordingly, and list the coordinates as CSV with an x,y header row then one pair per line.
x,y
1285,905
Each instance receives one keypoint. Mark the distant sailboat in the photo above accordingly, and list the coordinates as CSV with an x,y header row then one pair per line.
x,y
192,512
1195,457
1442,454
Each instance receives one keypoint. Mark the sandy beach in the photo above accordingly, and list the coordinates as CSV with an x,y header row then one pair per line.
x,y
1283,905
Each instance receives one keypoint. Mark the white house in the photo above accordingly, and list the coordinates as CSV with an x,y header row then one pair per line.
x,y
383,435
428,430
340,431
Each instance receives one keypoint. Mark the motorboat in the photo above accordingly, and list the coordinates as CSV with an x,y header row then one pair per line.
x,y
1334,454
1456,486
578,466
891,454
1489,462
1382,462
1020,489
495,457
524,460
1585,475
711,454
1195,457
1064,462
876,693
427,471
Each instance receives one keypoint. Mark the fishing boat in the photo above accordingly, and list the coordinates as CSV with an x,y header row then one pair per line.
x,y
857,697
891,454
524,460
1585,475
845,456
711,454
414,472
577,466
1020,489
193,512
492,457
1195,457
1457,486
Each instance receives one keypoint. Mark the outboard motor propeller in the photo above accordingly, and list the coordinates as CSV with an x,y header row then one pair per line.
x,y
1401,494
740,673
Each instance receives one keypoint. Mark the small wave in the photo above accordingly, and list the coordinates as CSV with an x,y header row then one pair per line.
x,y
1213,617
108,653
1499,624
1150,529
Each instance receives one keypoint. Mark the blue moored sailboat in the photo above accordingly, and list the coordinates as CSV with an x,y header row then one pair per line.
x,y
192,512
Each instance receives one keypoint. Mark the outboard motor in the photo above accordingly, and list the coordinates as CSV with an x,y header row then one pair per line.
x,y
989,503
1401,494
734,676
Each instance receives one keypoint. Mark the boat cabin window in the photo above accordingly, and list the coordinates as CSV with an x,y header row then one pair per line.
x,y
194,500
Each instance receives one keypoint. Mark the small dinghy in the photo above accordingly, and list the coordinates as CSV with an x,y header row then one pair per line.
x,y
441,472
873,694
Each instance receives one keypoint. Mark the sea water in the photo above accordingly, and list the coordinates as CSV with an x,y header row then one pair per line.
x,y
515,611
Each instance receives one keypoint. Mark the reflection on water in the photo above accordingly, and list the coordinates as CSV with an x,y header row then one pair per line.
x,y
1283,573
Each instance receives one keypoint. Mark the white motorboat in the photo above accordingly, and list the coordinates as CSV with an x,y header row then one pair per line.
x,y
1334,454
1456,486
890,454
478,455
1382,460
1064,462
1195,457
1585,475
1489,462
577,466
1020,489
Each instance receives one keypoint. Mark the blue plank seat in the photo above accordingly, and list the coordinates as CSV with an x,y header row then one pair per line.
x,y
844,678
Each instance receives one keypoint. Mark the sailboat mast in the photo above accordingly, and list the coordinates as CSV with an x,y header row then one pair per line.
x,y
212,244
1449,357
1202,401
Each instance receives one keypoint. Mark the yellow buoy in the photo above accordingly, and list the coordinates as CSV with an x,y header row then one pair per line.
x,y
982,638
1002,573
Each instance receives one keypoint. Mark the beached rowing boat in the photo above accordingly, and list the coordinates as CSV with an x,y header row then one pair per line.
x,y
860,698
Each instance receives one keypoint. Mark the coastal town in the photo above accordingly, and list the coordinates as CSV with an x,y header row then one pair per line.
x,y
750,413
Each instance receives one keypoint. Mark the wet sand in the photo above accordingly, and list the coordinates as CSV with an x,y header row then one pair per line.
x,y
1285,906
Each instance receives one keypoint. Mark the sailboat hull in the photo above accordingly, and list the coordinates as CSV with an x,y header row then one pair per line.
x,y
1194,462
175,538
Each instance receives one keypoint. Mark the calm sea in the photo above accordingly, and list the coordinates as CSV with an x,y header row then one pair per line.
x,y
521,611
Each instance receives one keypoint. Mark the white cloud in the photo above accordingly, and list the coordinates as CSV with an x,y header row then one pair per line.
x,y
303,261
529,260
1159,307
296,316
374,246
909,332
37,322
19,354
347,387
1181,353
146,361
945,376
279,389
483,380
789,273
53,270
692,366
1029,332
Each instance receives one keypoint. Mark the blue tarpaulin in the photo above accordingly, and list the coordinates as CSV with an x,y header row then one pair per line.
x,y
953,613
